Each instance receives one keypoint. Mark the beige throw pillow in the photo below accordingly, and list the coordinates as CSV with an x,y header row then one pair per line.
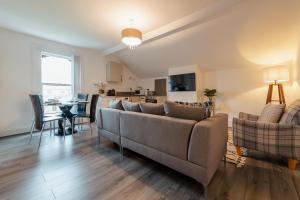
x,y
271,113
129,106
175,110
115,104
152,108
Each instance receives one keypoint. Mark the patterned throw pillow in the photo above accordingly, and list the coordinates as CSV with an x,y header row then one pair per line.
x,y
206,105
292,114
271,113
179,111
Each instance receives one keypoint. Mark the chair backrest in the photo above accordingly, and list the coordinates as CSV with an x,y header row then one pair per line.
x,y
81,108
38,109
93,107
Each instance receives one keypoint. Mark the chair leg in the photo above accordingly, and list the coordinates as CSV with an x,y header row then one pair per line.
x,y
121,152
41,135
239,151
292,164
91,127
50,128
73,124
31,131
64,129
54,127
99,139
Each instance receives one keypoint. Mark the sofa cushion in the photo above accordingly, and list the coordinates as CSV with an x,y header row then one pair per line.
x,y
292,114
115,104
271,113
166,134
152,108
129,106
175,110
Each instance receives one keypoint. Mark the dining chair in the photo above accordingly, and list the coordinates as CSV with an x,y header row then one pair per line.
x,y
39,118
81,108
91,116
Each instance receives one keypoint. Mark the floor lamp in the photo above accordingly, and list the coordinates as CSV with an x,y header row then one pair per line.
x,y
275,76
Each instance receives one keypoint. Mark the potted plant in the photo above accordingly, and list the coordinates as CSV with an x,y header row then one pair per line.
x,y
210,93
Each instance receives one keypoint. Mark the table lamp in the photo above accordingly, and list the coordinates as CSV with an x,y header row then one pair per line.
x,y
275,76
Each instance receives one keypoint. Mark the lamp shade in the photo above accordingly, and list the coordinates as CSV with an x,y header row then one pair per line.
x,y
131,37
276,74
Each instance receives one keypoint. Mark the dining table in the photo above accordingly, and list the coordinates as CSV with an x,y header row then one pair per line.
x,y
66,107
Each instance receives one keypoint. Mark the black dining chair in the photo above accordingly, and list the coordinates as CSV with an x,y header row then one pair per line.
x,y
91,116
39,118
81,108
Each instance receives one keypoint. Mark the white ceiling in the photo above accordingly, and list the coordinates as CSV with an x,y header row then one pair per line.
x,y
91,23
228,33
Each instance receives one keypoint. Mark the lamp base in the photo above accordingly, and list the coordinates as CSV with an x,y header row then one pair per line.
x,y
280,93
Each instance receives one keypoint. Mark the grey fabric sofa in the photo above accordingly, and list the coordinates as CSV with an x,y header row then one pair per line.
x,y
190,147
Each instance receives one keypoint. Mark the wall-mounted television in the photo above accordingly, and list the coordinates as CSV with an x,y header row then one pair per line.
x,y
182,82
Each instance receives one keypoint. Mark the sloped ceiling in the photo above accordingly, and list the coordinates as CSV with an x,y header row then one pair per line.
x,y
239,33
248,33
91,23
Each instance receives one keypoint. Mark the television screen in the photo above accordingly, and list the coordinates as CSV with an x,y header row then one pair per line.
x,y
182,82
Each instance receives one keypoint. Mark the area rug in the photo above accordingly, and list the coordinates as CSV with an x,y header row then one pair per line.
x,y
231,155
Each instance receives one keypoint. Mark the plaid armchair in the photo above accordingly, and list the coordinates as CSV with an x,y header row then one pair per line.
x,y
274,138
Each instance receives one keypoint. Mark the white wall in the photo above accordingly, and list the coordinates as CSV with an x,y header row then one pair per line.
x,y
148,83
187,96
20,75
243,90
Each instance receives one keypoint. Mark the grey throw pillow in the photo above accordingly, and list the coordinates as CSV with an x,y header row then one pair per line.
x,y
152,108
271,113
129,106
292,114
174,110
115,104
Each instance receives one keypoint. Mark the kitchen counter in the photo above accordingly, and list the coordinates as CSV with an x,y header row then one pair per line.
x,y
104,100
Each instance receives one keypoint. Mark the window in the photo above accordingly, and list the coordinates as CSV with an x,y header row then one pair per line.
x,y
57,77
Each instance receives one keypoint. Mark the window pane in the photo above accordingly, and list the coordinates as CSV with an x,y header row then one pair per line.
x,y
62,93
56,70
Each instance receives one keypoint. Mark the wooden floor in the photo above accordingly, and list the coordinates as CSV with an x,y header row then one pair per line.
x,y
78,168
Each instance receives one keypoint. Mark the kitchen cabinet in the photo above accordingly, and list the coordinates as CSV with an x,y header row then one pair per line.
x,y
114,72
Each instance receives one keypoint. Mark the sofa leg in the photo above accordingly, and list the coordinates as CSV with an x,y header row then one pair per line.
x,y
292,164
121,152
239,151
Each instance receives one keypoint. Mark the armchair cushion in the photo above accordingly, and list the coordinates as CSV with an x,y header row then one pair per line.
x,y
273,138
292,114
271,113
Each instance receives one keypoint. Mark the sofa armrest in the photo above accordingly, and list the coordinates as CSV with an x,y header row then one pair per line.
x,y
248,116
273,138
109,119
208,143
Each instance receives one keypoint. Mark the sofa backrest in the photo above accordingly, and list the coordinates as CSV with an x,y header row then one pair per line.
x,y
166,134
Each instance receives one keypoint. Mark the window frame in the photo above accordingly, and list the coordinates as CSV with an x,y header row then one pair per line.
x,y
71,59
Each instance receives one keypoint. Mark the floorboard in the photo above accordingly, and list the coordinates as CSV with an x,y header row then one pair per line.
x,y
79,168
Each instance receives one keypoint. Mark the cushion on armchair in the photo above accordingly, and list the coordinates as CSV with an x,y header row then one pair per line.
x,y
292,114
271,113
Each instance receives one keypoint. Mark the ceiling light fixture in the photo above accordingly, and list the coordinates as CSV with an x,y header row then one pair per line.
x,y
131,37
